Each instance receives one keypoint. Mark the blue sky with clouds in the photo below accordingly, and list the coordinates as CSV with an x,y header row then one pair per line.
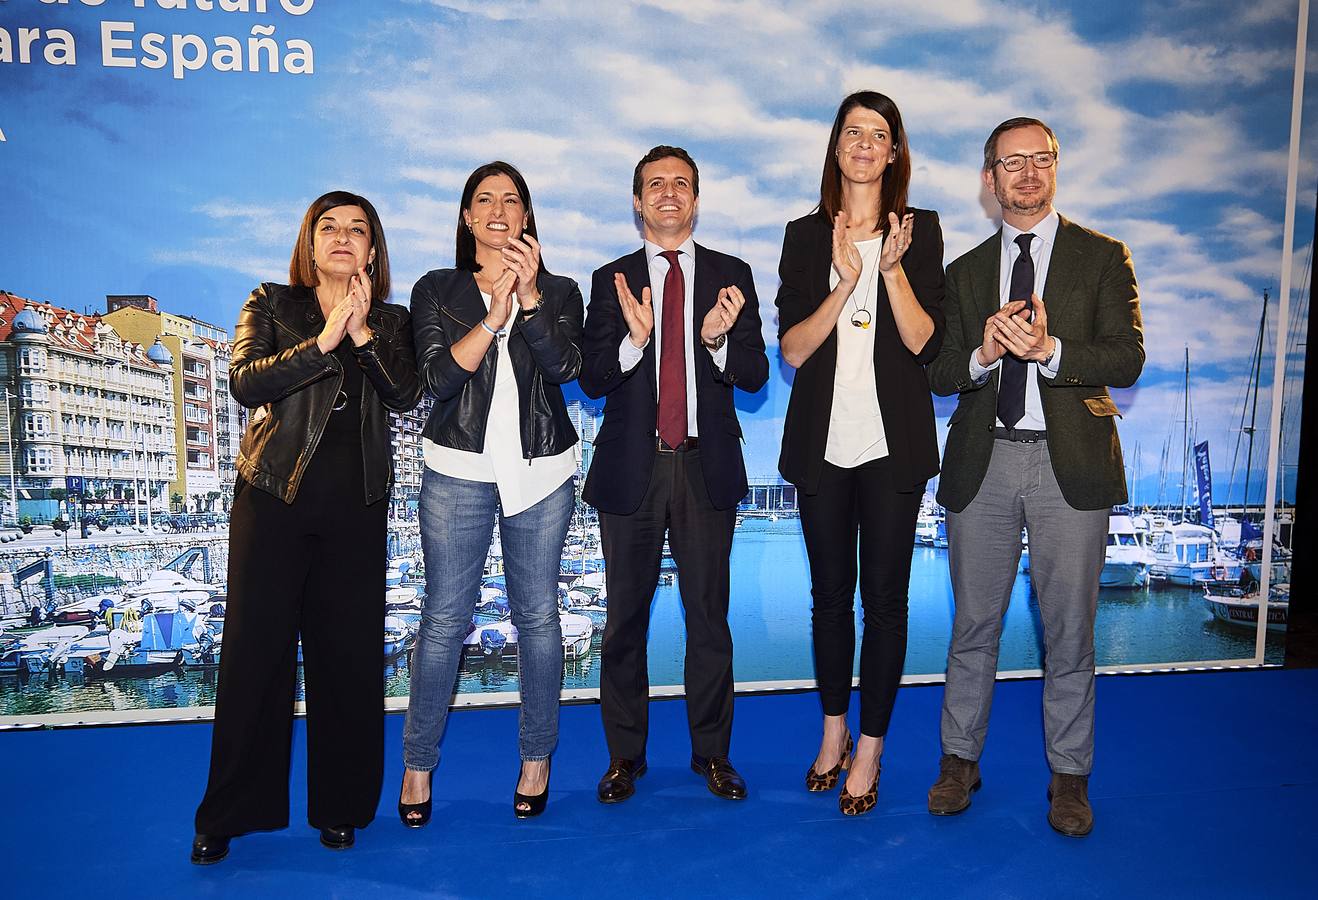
x,y
1173,119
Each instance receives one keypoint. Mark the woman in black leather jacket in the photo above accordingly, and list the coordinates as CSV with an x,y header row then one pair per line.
x,y
320,362
496,336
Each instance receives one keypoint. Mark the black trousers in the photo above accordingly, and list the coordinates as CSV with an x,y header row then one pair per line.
x,y
700,538
315,567
860,505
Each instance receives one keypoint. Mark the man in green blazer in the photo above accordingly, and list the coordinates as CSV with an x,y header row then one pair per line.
x,y
1042,318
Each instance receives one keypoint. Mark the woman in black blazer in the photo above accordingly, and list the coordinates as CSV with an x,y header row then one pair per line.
x,y
859,316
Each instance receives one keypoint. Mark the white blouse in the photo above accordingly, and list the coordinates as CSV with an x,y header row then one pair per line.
x,y
855,426
521,483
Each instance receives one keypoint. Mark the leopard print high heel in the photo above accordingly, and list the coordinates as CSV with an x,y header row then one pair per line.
x,y
816,782
858,806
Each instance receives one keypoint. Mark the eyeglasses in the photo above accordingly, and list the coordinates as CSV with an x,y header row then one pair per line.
x,y
1014,163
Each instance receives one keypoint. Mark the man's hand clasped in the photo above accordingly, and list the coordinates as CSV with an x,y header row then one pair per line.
x,y
1012,329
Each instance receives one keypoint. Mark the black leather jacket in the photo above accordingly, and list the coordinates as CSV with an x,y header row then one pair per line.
x,y
545,350
278,370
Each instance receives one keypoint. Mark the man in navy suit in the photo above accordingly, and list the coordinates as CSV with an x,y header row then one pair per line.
x,y
670,330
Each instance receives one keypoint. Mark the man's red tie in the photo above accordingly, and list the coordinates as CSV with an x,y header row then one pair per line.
x,y
672,356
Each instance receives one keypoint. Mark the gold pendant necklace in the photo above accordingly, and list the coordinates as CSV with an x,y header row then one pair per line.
x,y
861,317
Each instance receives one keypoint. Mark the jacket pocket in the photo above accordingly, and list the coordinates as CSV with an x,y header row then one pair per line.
x,y
1102,406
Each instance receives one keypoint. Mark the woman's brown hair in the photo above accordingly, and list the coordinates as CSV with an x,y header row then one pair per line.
x,y
896,178
302,267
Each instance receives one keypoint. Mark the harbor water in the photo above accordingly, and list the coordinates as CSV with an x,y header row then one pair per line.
x,y
769,614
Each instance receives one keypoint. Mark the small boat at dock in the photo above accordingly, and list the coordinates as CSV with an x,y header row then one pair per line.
x,y
1230,603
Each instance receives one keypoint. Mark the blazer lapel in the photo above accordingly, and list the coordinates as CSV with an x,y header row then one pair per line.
x,y
984,281
703,295
822,269
1062,267
637,272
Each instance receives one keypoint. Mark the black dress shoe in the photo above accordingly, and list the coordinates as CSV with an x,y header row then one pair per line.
x,y
415,815
209,848
338,837
534,803
721,779
619,782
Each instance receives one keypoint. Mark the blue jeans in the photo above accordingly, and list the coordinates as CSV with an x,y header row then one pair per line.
x,y
457,525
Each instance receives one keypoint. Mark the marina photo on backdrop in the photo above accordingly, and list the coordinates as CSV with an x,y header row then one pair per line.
x,y
156,193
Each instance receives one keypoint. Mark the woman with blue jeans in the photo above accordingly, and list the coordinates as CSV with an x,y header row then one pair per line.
x,y
496,336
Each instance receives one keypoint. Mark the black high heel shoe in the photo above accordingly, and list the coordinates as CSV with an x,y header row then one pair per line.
x,y
535,805
421,810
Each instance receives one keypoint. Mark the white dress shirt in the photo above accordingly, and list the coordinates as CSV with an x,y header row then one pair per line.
x,y
855,423
1041,250
522,483
629,354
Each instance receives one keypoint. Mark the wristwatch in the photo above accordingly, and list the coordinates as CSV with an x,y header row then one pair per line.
x,y
716,344
1047,361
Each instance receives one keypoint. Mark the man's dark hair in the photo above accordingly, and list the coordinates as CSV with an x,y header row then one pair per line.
x,y
663,151
991,145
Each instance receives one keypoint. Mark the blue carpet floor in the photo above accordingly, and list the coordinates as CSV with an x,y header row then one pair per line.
x,y
1204,786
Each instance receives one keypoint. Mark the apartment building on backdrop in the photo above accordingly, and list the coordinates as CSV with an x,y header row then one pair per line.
x,y
209,421
81,406
135,396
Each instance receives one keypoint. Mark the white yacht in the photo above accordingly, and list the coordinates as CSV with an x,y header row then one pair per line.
x,y
1128,556
1189,554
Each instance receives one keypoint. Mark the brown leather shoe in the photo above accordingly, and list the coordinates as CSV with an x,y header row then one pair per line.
x,y
957,779
1069,811
619,782
721,779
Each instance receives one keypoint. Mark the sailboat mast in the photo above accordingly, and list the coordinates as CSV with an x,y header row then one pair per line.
x,y
1185,436
1256,374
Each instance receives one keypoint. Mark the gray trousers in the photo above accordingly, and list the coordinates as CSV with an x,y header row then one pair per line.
x,y
1066,558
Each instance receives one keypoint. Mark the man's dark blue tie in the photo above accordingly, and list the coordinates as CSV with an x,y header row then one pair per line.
x,y
1011,389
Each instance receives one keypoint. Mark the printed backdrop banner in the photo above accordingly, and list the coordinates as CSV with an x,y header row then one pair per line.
x,y
159,155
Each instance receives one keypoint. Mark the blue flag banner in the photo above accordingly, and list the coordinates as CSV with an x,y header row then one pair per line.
x,y
1203,473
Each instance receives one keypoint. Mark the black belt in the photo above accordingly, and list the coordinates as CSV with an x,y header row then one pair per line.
x,y
1020,435
690,443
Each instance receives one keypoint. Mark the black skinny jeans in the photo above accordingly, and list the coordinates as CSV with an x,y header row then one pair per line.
x,y
860,506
